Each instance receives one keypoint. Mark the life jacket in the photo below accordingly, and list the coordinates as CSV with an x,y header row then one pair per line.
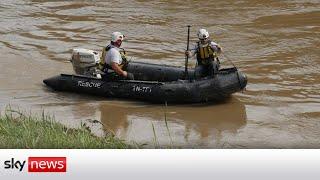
x,y
102,64
205,54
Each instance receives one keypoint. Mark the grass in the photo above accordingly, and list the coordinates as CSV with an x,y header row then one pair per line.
x,y
18,130
166,122
155,138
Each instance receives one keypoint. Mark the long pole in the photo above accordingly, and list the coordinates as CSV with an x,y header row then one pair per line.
x,y
187,57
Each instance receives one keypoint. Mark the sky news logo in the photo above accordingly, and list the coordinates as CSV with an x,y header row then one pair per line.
x,y
38,164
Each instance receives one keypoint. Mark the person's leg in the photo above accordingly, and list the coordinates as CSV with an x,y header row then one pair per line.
x,y
216,66
213,68
109,76
210,69
199,71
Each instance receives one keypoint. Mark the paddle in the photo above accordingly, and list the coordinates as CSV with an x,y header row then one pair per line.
x,y
187,57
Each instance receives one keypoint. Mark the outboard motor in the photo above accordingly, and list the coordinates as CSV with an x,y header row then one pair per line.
x,y
84,61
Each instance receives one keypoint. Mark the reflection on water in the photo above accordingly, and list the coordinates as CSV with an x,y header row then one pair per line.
x,y
205,122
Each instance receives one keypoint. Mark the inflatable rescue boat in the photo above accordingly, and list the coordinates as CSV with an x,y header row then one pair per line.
x,y
152,82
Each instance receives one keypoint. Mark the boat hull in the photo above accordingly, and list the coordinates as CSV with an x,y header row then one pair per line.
x,y
219,87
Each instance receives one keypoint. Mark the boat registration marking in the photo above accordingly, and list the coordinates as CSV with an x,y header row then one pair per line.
x,y
89,84
144,89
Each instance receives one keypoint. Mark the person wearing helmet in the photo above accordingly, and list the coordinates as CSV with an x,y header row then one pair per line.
x,y
206,52
113,58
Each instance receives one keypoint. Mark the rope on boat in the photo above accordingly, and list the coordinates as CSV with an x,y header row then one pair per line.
x,y
228,59
239,80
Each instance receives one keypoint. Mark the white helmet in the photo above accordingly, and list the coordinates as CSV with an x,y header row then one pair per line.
x,y
203,34
116,36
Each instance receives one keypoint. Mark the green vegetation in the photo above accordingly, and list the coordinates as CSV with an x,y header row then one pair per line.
x,y
18,130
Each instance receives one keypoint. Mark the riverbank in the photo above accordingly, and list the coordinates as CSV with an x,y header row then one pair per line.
x,y
18,130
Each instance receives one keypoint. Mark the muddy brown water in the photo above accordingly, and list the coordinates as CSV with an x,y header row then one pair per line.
x,y
276,43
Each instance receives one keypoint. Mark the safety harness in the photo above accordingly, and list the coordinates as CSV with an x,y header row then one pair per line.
x,y
205,54
104,66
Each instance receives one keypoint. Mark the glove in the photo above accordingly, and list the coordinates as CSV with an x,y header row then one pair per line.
x,y
188,53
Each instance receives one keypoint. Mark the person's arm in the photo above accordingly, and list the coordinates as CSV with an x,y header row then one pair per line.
x,y
115,57
115,66
192,51
216,47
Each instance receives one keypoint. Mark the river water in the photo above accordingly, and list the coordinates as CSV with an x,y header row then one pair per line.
x,y
275,43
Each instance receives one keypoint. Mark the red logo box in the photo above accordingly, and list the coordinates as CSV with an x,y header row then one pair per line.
x,y
47,164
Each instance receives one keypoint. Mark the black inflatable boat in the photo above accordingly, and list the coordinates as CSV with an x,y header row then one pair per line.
x,y
156,83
